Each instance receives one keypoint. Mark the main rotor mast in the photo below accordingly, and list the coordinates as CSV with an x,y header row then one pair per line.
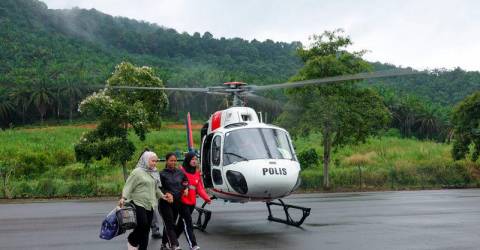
x,y
235,88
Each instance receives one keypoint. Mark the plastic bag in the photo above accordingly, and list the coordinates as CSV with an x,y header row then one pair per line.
x,y
110,227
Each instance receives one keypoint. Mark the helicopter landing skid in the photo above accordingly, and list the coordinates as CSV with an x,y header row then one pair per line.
x,y
204,216
288,219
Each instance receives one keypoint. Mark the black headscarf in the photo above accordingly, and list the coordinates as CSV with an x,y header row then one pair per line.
x,y
186,163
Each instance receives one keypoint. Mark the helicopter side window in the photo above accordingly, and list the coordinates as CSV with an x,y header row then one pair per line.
x,y
216,151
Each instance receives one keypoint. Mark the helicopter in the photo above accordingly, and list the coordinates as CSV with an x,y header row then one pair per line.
x,y
243,159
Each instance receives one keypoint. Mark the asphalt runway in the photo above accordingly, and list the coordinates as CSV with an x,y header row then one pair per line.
x,y
441,219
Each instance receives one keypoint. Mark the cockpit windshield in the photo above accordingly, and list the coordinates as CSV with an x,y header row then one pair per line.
x,y
256,143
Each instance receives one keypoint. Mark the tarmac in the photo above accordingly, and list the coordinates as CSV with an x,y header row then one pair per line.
x,y
438,219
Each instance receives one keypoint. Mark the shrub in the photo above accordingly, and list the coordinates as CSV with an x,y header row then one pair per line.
x,y
63,158
46,188
61,188
82,188
112,189
312,178
405,174
32,164
375,177
308,158
344,177
75,171
22,189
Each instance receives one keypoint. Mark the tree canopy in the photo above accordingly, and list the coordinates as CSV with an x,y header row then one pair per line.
x,y
466,125
119,109
343,113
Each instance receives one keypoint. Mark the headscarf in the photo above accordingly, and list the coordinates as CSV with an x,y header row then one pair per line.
x,y
143,164
186,163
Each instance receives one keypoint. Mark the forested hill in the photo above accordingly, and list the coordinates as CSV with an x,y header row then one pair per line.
x,y
77,45
442,87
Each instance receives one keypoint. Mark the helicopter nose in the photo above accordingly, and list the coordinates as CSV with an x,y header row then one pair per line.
x,y
275,179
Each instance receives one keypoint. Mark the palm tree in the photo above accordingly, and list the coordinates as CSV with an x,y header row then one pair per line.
x,y
6,108
73,93
21,98
57,100
429,125
42,98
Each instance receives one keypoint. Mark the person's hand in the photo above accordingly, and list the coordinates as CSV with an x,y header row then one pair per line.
x,y
168,197
121,202
185,192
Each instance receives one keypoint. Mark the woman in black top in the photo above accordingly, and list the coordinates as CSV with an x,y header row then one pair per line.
x,y
174,182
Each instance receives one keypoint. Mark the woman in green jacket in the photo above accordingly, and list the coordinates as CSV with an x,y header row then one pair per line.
x,y
142,190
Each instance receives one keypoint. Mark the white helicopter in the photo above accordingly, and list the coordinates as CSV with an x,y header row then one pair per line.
x,y
243,159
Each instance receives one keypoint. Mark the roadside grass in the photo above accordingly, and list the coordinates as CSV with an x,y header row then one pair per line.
x,y
390,163
40,162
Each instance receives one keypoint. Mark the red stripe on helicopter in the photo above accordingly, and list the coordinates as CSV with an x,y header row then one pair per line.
x,y
216,120
242,196
189,133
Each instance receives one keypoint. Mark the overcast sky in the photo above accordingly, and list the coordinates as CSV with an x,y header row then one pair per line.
x,y
421,34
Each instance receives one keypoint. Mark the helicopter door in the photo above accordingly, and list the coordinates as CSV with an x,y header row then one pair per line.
x,y
206,162
216,160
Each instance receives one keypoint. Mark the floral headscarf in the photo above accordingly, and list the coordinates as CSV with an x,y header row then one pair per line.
x,y
143,164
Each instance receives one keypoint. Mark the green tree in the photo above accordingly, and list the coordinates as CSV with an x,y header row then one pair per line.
x,y
42,97
466,127
119,109
72,92
21,98
342,113
6,107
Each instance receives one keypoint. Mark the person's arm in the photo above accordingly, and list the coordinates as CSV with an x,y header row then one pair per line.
x,y
128,188
163,180
201,191
159,193
185,184
165,189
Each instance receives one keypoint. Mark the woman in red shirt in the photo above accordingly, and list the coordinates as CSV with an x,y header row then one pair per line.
x,y
189,199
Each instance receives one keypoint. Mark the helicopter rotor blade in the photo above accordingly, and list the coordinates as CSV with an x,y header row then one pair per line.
x,y
209,90
200,90
359,76
272,103
263,100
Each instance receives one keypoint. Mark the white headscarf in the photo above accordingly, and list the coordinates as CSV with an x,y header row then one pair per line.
x,y
143,164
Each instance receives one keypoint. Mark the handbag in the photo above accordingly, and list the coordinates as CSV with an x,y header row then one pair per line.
x,y
127,218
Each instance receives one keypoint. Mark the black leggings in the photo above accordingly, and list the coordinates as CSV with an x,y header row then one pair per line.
x,y
139,236
169,214
185,224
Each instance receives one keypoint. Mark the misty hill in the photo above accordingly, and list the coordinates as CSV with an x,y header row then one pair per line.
x,y
84,45
41,45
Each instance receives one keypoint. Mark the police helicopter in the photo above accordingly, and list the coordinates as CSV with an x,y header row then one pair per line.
x,y
243,159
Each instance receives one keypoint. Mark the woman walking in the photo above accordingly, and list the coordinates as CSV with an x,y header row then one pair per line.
x,y
142,191
174,183
195,186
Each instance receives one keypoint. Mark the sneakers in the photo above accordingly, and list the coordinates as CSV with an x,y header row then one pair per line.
x,y
130,247
164,247
156,234
176,248
195,248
